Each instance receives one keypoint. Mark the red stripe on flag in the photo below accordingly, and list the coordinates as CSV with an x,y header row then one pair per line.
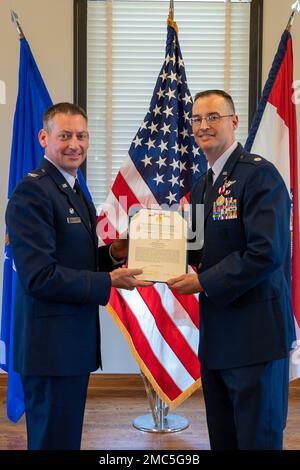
x,y
296,243
190,305
106,230
142,346
170,332
282,91
121,188
294,187
295,192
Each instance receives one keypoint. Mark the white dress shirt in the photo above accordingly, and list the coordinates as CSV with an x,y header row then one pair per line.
x,y
220,162
70,178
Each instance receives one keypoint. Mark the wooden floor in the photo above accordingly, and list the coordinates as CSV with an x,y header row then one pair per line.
x,y
108,423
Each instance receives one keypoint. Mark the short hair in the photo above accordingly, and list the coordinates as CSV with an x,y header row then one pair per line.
x,y
61,108
222,93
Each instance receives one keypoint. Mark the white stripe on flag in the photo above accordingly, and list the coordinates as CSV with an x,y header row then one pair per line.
x,y
179,316
117,215
137,184
159,346
295,355
275,147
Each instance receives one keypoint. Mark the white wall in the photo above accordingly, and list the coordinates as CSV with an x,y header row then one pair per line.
x,y
48,26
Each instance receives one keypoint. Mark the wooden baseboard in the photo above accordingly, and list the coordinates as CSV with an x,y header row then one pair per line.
x,y
130,383
294,388
3,380
116,382
104,382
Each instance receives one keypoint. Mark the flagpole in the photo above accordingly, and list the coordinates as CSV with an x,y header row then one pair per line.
x,y
170,20
296,9
14,19
171,10
160,420
151,398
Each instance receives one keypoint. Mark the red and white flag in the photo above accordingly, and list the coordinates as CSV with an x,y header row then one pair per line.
x,y
273,135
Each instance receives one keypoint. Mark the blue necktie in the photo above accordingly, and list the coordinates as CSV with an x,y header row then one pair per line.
x,y
81,200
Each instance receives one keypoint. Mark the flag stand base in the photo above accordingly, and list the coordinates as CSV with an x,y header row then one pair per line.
x,y
170,423
159,421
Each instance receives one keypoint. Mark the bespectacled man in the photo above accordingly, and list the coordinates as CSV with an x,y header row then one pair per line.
x,y
243,277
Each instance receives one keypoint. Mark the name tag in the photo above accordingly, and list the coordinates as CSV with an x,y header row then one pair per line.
x,y
74,220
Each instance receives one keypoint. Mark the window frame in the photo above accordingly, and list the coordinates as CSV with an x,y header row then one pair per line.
x,y
80,57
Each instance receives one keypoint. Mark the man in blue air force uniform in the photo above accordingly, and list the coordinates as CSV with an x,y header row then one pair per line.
x,y
52,231
243,276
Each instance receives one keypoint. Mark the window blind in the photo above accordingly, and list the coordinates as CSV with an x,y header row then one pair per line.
x,y
125,51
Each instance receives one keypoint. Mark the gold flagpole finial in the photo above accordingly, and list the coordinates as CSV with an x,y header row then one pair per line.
x,y
295,9
14,19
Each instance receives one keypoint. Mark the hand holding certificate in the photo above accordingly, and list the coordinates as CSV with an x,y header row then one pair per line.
x,y
124,278
157,244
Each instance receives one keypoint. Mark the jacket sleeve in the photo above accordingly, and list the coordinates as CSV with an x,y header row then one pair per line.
x,y
31,228
196,227
105,261
266,222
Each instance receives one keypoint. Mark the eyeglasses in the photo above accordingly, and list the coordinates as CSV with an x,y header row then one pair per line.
x,y
210,119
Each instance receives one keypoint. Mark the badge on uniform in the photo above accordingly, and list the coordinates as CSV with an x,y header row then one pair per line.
x,y
225,208
74,220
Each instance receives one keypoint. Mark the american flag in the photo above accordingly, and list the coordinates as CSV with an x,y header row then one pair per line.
x,y
164,161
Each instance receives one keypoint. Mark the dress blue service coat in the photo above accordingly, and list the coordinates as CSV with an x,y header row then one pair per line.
x,y
59,286
244,266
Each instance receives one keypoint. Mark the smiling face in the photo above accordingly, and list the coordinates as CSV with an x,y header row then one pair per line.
x,y
216,137
66,141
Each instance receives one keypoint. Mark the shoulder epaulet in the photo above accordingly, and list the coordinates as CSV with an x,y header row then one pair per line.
x,y
36,174
252,159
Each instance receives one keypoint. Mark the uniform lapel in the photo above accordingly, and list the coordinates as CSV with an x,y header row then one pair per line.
x,y
225,174
201,189
92,216
72,197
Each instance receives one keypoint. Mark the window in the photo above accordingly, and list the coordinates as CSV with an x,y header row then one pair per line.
x,y
125,50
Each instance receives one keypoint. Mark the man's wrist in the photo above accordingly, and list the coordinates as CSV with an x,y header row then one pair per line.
x,y
115,259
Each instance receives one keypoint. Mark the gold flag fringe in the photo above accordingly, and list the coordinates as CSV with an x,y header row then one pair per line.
x,y
173,24
171,403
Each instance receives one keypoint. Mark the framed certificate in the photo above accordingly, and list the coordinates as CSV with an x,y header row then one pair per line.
x,y
158,244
